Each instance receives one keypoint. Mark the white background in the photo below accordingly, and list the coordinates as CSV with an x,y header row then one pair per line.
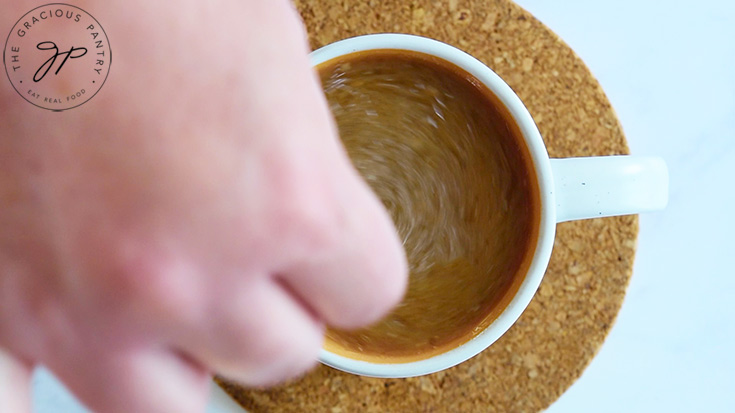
x,y
668,67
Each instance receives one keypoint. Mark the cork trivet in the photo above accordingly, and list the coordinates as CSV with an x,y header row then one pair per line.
x,y
575,307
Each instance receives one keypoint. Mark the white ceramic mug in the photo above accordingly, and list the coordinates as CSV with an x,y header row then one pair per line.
x,y
570,189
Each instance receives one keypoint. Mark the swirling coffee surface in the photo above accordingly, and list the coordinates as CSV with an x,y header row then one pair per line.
x,y
440,151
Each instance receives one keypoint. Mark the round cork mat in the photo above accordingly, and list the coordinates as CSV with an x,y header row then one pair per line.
x,y
575,307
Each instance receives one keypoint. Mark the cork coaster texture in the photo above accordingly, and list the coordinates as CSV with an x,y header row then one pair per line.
x,y
573,310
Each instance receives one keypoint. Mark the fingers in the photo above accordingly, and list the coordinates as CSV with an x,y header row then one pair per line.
x,y
257,335
363,273
155,381
15,381
356,270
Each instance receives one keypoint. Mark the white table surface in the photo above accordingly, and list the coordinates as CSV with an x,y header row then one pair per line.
x,y
669,70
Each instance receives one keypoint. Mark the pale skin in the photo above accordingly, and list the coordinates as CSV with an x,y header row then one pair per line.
x,y
199,215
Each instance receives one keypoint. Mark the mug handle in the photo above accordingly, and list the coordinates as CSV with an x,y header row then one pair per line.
x,y
605,186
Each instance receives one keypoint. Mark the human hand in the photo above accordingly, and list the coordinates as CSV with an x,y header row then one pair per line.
x,y
198,215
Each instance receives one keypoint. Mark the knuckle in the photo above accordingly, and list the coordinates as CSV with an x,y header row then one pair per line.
x,y
151,281
313,225
306,212
137,277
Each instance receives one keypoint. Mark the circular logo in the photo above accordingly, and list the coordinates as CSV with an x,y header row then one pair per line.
x,y
57,56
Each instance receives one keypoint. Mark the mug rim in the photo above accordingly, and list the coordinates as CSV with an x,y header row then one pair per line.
x,y
543,174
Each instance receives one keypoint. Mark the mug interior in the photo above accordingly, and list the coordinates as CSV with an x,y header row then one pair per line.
x,y
547,221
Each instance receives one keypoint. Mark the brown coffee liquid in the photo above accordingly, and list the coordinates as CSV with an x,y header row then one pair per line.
x,y
451,167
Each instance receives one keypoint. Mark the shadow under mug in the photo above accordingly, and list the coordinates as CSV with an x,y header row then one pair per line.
x,y
570,189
